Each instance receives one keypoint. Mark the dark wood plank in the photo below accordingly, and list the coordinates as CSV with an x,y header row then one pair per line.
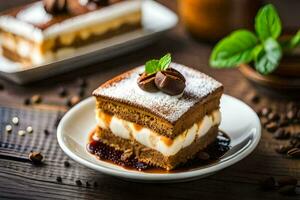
x,y
19,179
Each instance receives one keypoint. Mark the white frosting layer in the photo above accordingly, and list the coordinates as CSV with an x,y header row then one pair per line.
x,y
23,23
151,139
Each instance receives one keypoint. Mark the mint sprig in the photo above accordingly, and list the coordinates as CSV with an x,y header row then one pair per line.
x,y
153,66
262,48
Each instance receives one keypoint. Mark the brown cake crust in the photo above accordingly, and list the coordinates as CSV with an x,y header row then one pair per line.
x,y
164,118
153,157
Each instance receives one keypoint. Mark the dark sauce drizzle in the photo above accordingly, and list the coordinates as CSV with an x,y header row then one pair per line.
x,y
106,153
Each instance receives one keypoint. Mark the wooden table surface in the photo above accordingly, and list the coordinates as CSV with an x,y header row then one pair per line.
x,y
19,179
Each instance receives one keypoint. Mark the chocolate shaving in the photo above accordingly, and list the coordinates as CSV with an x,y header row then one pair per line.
x,y
55,7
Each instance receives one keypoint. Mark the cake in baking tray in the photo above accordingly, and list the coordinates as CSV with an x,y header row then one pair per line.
x,y
46,30
164,115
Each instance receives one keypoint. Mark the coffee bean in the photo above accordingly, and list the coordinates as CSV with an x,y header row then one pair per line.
x,y
59,179
66,164
36,99
283,149
46,132
271,127
273,116
35,157
291,115
1,86
62,92
288,180
281,134
26,101
295,142
268,183
203,156
78,182
255,99
95,184
294,153
264,121
287,190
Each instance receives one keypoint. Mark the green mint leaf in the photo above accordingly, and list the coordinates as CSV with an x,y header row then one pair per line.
x,y
152,66
235,49
267,23
165,61
295,41
267,58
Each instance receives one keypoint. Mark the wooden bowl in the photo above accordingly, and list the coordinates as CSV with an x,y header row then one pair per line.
x,y
287,76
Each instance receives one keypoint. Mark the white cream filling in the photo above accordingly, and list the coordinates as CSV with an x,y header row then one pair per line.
x,y
32,51
151,139
36,14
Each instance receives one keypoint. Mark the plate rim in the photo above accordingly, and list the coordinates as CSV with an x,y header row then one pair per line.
x,y
140,176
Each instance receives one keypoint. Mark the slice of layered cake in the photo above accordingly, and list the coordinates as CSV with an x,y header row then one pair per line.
x,y
46,30
162,113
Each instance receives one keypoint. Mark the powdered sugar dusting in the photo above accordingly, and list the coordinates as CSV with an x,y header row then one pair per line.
x,y
198,85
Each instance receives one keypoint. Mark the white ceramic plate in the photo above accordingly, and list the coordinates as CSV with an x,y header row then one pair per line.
x,y
157,19
239,121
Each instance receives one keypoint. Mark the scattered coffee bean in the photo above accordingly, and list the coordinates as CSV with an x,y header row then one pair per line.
x,y
66,164
287,190
26,101
255,99
288,180
283,122
59,179
8,128
21,132
29,129
78,182
1,86
281,134
73,101
264,121
46,132
271,127
283,149
95,184
82,82
36,99
272,116
295,142
268,183
291,115
294,153
36,157
203,156
62,92
15,120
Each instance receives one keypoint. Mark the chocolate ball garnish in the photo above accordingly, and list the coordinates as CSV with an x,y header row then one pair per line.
x,y
55,7
146,82
170,81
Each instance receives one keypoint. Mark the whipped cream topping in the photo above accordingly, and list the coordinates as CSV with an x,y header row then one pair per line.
x,y
151,139
23,23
